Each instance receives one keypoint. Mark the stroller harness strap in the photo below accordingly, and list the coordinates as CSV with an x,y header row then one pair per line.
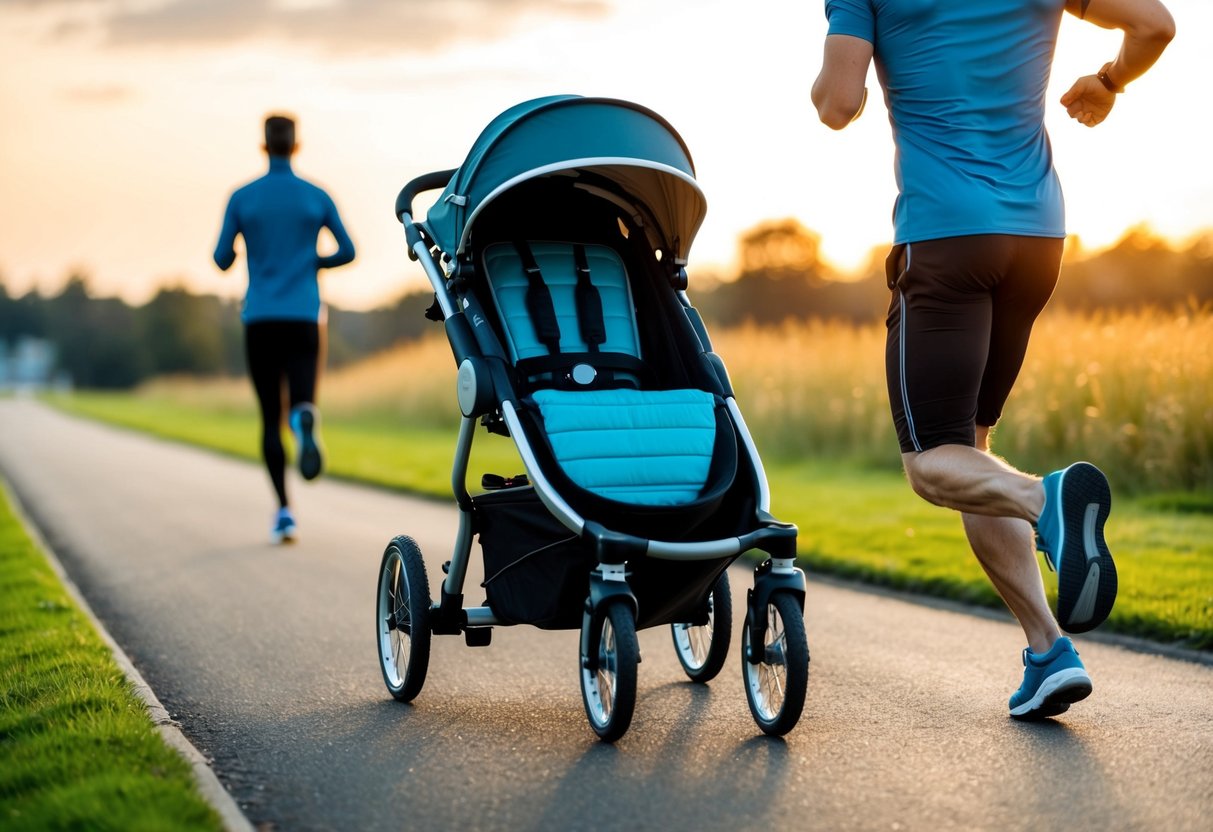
x,y
591,327
589,303
539,300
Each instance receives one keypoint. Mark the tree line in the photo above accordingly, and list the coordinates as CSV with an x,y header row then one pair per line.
x,y
781,276
106,343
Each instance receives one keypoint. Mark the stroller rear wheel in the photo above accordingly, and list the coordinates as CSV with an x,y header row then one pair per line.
x,y
776,685
608,684
703,648
403,619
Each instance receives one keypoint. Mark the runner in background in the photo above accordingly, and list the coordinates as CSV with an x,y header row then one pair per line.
x,y
280,217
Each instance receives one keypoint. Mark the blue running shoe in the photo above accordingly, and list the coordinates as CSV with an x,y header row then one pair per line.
x,y
283,530
1051,682
1070,533
305,424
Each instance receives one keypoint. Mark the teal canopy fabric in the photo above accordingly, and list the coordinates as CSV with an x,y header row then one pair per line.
x,y
567,134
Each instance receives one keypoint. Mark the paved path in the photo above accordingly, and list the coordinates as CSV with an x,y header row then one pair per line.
x,y
267,658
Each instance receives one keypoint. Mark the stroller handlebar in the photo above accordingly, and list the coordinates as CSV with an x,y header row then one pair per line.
x,y
425,182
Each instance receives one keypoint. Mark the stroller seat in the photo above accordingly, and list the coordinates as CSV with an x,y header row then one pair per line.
x,y
569,325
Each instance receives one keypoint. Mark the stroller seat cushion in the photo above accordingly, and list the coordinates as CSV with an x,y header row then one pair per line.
x,y
644,447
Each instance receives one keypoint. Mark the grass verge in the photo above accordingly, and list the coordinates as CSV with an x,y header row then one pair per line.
x,y
855,522
77,747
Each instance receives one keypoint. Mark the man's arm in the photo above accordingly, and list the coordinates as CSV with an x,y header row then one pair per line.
x,y
1148,28
839,92
225,249
345,246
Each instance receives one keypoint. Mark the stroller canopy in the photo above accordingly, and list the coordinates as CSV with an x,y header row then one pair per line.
x,y
631,146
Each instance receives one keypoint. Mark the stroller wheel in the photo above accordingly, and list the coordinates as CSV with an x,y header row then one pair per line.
x,y
403,619
776,685
608,688
703,648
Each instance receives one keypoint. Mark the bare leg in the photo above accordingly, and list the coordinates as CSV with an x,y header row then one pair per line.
x,y
973,481
996,502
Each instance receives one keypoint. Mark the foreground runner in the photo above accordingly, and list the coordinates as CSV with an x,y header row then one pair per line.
x,y
979,230
280,217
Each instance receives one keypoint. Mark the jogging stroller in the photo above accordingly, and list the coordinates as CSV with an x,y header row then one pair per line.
x,y
557,255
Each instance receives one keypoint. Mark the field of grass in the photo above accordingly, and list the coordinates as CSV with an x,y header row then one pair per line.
x,y
78,749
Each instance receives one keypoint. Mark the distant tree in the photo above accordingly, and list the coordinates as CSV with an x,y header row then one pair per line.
x,y
353,335
1141,269
184,333
20,317
97,339
782,276
780,249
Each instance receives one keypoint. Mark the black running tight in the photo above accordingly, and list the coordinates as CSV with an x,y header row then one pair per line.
x,y
282,361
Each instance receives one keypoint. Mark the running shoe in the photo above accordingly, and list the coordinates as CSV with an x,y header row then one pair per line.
x,y
1070,533
283,530
305,424
1051,682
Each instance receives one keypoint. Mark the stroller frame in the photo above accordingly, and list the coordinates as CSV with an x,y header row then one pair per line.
x,y
773,636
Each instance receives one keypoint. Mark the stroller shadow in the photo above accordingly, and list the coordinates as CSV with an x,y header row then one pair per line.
x,y
668,784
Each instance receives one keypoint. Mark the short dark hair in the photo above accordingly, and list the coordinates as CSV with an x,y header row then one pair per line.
x,y
279,135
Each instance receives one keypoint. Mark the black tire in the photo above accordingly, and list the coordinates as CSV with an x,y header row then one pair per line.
x,y
776,686
402,625
609,691
703,649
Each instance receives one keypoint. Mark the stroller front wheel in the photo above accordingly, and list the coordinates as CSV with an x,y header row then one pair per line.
x,y
403,619
776,685
608,684
703,648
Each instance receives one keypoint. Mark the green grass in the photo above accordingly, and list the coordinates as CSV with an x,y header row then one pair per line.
x,y
78,749
855,521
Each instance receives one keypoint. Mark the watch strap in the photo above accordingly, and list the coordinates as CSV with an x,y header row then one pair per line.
x,y
1108,83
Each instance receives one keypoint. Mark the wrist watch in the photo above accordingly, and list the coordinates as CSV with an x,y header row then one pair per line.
x,y
1108,83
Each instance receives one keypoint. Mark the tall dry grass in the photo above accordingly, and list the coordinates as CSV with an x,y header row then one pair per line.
x,y
1131,391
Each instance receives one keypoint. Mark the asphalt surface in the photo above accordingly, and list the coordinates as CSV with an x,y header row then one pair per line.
x,y
266,655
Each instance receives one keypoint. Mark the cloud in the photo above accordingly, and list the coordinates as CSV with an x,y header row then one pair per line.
x,y
337,25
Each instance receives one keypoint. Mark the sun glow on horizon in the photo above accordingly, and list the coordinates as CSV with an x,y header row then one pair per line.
x,y
124,153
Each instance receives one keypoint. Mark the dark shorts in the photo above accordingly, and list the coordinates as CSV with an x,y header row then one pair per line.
x,y
959,320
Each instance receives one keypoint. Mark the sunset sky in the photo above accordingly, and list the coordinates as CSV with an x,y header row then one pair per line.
x,y
125,124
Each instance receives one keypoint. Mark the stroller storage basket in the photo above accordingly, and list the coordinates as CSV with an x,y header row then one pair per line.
x,y
536,571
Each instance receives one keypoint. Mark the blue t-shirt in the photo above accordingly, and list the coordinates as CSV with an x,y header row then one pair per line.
x,y
965,83
280,217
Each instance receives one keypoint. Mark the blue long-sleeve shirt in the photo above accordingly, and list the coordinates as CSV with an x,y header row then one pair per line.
x,y
280,217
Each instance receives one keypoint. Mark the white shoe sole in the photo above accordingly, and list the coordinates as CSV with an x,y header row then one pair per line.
x,y
1062,688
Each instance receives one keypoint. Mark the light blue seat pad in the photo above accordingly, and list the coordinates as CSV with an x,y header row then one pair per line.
x,y
508,284
644,447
